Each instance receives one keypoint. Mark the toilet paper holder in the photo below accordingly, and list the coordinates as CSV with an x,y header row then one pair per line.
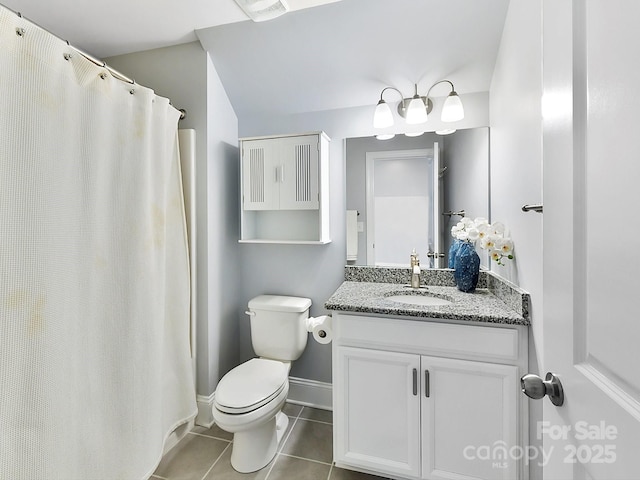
x,y
320,328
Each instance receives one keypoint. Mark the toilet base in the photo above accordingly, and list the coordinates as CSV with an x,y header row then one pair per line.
x,y
253,449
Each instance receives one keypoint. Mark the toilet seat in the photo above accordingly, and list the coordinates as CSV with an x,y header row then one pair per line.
x,y
251,385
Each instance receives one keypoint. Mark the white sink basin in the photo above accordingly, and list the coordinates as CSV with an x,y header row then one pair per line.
x,y
419,300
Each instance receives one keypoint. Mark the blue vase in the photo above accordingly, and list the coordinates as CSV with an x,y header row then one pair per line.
x,y
452,252
467,267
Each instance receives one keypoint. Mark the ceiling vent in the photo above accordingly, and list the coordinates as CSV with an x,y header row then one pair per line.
x,y
261,10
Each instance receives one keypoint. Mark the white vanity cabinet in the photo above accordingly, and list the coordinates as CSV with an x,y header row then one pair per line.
x,y
429,399
284,189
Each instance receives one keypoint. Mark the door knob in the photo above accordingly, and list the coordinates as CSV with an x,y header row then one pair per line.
x,y
534,387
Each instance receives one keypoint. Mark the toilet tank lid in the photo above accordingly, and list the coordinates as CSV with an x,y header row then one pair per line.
x,y
280,303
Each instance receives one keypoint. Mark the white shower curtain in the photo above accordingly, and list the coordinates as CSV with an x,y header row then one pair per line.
x,y
95,368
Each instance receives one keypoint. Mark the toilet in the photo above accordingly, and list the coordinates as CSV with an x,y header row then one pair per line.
x,y
249,399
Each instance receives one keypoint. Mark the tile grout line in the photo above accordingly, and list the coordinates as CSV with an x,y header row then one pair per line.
x,y
210,436
278,452
217,460
317,421
330,470
305,458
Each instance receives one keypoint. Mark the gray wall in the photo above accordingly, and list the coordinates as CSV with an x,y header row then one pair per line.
x,y
466,180
223,219
516,167
184,74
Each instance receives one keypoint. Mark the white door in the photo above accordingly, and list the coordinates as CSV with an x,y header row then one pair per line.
x,y
467,407
377,410
298,172
435,238
260,175
399,205
591,270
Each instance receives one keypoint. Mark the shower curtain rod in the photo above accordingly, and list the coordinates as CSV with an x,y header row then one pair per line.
x,y
115,73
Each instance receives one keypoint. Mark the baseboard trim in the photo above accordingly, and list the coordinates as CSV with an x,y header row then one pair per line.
x,y
205,410
310,393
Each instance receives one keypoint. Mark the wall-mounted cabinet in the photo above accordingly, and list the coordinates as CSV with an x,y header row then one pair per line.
x,y
285,189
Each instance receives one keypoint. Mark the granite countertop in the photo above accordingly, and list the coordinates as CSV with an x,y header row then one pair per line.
x,y
369,297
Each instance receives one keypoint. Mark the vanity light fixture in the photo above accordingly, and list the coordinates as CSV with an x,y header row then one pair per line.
x,y
413,134
445,131
385,136
415,110
261,10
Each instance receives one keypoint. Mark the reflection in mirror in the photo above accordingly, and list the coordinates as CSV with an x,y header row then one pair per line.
x,y
396,200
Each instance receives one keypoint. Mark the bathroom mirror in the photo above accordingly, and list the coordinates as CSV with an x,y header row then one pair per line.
x,y
393,203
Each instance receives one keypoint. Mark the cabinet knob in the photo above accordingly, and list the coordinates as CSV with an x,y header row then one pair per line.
x,y
534,387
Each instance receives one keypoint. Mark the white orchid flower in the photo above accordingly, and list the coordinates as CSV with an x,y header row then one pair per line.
x,y
481,221
488,242
505,246
466,221
462,235
498,229
483,230
473,234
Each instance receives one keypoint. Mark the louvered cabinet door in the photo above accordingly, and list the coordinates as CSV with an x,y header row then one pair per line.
x,y
285,189
298,174
260,175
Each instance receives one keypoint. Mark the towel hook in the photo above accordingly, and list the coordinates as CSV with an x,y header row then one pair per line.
x,y
532,208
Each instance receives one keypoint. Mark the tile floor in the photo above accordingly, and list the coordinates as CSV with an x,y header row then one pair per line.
x,y
304,454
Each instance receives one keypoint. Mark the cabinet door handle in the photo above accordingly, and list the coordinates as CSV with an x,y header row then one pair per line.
x,y
415,381
426,383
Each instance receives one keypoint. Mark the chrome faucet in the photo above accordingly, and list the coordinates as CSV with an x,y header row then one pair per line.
x,y
415,270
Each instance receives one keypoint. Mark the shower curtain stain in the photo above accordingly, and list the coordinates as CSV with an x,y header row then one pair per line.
x,y
33,305
157,232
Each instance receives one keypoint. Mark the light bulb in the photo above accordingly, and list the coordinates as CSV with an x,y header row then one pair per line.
x,y
452,110
385,136
382,117
416,111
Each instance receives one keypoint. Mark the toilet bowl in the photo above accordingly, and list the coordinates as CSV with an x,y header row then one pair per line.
x,y
248,403
249,399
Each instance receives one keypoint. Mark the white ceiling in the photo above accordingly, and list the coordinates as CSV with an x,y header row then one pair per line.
x,y
114,27
338,54
341,55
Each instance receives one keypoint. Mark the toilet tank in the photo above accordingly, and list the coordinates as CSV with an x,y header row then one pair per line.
x,y
279,326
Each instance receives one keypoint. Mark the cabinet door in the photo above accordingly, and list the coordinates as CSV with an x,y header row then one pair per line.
x,y
298,173
260,175
469,420
377,409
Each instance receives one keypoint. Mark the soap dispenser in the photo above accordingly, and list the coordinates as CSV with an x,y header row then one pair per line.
x,y
415,270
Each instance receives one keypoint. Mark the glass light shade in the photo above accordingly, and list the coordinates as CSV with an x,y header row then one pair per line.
x,y
416,111
382,117
446,131
452,110
413,134
385,136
